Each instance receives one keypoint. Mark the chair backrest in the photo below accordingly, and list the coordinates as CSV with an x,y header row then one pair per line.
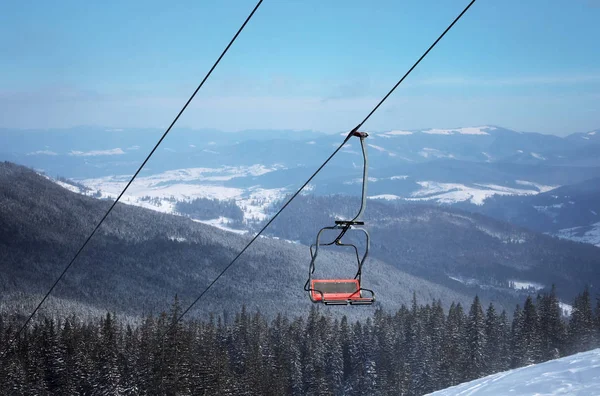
x,y
334,288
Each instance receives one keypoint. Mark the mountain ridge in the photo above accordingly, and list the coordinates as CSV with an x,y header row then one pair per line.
x,y
140,259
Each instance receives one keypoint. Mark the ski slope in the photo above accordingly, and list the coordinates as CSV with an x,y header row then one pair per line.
x,y
572,375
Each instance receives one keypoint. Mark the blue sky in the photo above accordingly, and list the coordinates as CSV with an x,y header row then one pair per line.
x,y
301,64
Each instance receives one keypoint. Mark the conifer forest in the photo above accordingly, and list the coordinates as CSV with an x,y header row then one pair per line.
x,y
413,351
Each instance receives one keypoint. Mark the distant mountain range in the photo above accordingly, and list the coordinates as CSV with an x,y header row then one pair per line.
x,y
93,152
141,258
480,169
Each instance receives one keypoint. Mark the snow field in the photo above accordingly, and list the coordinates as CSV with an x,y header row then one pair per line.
x,y
576,375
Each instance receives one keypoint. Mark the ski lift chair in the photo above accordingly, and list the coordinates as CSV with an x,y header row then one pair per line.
x,y
343,291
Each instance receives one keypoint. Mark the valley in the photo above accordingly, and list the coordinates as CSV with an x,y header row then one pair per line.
x,y
439,210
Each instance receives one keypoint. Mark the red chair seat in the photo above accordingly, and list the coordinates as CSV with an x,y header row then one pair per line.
x,y
341,291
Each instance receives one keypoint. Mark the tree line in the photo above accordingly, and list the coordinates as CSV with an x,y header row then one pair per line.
x,y
416,350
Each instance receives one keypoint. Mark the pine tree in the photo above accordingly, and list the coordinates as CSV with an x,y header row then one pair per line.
x,y
504,357
334,361
581,326
530,333
174,364
518,349
145,360
417,352
494,335
551,326
107,371
435,328
127,363
476,341
454,349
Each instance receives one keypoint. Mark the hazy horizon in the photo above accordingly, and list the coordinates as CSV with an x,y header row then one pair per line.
x,y
106,128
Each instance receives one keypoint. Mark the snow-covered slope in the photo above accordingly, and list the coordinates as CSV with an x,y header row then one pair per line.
x,y
585,234
160,192
572,375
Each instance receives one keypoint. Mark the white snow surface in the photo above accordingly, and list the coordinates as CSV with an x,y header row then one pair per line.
x,y
378,148
376,179
454,192
187,184
219,223
427,152
462,131
575,375
541,187
42,152
95,153
537,156
387,197
398,133
526,285
566,308
585,234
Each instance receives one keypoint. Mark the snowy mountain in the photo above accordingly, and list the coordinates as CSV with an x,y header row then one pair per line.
x,y
451,247
140,259
104,152
467,167
576,375
571,212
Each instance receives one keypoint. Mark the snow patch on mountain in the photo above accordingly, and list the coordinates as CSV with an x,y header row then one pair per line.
x,y
162,191
565,308
398,133
541,187
449,193
376,179
585,234
462,131
42,152
438,132
68,186
465,281
575,375
95,153
538,156
255,202
378,148
525,285
387,197
221,223
427,152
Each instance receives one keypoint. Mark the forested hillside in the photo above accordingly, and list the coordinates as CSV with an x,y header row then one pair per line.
x,y
443,244
411,351
140,258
